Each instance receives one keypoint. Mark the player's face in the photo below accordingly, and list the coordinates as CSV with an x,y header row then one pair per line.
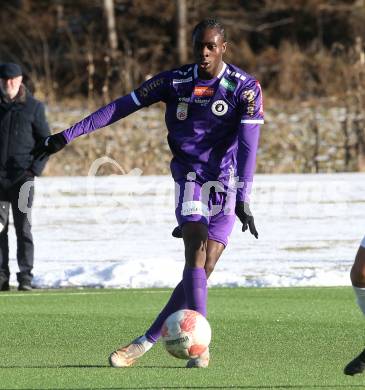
x,y
209,47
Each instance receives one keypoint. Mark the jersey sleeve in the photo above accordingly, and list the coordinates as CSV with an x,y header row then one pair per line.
x,y
248,138
153,90
253,107
105,116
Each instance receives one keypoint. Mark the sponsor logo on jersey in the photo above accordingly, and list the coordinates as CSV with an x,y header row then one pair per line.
x,y
150,86
202,102
228,84
219,107
181,81
249,96
182,111
203,91
184,99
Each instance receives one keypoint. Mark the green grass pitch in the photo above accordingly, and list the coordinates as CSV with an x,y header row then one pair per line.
x,y
289,338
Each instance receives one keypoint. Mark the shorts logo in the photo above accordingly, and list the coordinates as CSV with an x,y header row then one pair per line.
x,y
219,107
182,111
194,207
203,91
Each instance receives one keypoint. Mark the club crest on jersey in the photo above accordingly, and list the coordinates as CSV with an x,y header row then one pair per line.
x,y
182,111
219,107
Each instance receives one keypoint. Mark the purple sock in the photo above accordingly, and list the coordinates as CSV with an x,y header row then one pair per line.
x,y
195,287
176,302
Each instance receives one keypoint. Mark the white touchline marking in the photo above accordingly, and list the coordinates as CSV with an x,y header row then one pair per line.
x,y
31,294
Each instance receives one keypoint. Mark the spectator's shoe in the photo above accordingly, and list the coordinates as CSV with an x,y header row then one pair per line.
x,y
25,281
25,285
4,285
126,356
356,366
200,362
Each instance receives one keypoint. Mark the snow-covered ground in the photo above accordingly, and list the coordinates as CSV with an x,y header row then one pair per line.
x,y
115,231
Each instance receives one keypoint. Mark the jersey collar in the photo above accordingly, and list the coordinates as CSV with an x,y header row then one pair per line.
x,y
221,73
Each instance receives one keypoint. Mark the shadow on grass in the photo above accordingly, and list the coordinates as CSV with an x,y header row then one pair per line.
x,y
226,386
84,366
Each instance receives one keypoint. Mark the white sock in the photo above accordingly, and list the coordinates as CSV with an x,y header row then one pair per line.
x,y
146,344
360,295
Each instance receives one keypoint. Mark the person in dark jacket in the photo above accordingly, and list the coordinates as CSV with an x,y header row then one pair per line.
x,y
22,125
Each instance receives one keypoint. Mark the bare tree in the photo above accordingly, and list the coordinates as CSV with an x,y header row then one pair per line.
x,y
181,11
112,32
359,121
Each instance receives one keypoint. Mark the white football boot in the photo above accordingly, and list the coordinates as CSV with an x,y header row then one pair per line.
x,y
128,355
200,362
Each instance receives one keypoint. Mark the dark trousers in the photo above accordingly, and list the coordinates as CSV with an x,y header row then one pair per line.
x,y
22,223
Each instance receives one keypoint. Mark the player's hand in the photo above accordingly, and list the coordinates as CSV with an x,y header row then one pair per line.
x,y
49,145
177,233
244,214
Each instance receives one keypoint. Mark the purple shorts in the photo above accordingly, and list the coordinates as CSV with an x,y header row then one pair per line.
x,y
211,204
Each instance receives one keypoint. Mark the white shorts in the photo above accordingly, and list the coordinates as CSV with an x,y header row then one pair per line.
x,y
363,242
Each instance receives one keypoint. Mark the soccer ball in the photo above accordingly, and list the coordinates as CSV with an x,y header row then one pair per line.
x,y
186,334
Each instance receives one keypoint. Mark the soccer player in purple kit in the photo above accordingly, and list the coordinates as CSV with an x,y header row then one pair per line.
x,y
213,116
357,365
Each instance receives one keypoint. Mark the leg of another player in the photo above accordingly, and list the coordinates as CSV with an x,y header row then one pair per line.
x,y
357,365
195,235
358,270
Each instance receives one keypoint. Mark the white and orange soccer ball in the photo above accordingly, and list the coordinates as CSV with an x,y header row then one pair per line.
x,y
186,334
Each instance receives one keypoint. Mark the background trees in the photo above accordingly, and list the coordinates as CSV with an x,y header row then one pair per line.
x,y
308,55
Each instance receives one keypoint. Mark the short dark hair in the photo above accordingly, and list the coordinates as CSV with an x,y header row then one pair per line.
x,y
210,23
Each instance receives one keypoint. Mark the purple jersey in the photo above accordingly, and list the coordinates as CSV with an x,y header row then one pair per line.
x,y
213,125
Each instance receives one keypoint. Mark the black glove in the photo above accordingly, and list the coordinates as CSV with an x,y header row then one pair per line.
x,y
244,214
49,145
177,233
